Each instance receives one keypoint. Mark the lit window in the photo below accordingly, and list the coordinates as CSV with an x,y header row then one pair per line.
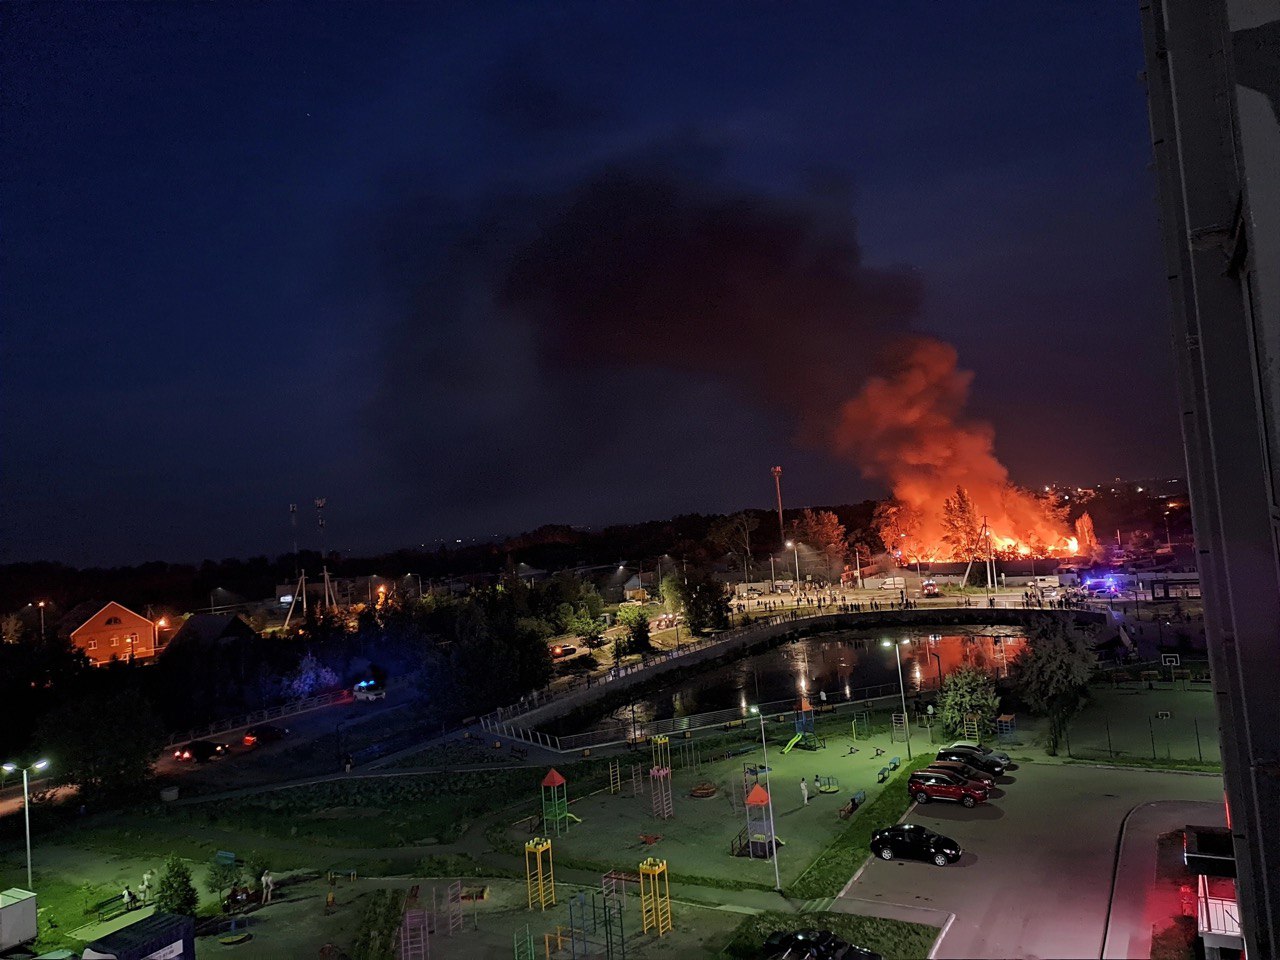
x,y
113,622
93,645
115,641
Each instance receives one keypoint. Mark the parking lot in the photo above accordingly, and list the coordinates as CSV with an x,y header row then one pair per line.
x,y
1035,877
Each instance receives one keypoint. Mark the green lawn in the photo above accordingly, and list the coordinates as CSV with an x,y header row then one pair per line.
x,y
828,874
893,939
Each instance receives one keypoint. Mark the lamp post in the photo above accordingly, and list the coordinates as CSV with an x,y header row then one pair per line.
x,y
795,548
777,882
41,603
26,805
902,689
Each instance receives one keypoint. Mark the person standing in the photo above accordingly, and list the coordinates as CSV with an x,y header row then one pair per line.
x,y
127,897
804,791
268,885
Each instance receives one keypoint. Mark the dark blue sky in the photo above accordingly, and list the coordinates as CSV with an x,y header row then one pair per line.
x,y
255,254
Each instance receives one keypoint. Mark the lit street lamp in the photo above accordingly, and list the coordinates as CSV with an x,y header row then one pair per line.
x,y
795,548
902,689
41,603
26,805
773,838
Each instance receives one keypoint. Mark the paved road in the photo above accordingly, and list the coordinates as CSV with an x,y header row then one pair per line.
x,y
1035,878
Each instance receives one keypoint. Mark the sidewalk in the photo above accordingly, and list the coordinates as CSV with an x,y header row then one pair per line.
x,y
1139,900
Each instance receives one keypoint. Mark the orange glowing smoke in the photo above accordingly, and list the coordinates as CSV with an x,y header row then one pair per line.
x,y
906,428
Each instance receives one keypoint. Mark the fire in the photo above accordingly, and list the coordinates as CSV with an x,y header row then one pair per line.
x,y
952,499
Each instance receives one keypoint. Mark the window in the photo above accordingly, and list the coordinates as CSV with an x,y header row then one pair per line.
x,y
113,622
92,645
115,641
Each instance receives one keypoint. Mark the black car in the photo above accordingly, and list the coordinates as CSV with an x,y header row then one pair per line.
x,y
907,840
973,758
264,733
200,751
965,770
813,945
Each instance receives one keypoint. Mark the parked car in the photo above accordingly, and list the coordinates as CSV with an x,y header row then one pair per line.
x,y
369,690
200,751
973,758
264,733
966,771
910,841
982,748
893,583
926,785
813,945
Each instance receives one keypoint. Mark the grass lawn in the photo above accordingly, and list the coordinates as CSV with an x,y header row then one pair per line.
x,y
895,939
828,874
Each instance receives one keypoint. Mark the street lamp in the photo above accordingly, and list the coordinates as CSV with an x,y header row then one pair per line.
x,y
902,689
773,837
795,548
26,805
41,603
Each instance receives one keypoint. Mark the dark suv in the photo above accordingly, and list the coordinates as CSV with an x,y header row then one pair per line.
x,y
926,785
991,764
966,771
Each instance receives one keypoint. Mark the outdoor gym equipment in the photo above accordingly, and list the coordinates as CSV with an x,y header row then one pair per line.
x,y
655,896
539,873
555,803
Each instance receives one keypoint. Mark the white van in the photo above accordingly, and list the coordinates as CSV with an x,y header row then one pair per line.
x,y
893,583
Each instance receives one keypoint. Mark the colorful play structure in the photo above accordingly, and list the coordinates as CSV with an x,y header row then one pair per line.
x,y
655,896
757,839
660,779
555,803
418,923
595,927
539,873
806,736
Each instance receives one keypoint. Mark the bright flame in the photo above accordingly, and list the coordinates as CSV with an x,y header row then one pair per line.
x,y
906,428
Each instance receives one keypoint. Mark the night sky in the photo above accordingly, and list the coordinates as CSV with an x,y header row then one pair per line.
x,y
465,269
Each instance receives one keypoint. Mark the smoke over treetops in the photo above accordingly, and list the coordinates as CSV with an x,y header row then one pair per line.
x,y
641,270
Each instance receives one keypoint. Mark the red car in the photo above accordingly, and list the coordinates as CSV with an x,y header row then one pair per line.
x,y
926,785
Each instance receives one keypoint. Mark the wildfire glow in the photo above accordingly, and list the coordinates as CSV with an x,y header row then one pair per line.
x,y
906,429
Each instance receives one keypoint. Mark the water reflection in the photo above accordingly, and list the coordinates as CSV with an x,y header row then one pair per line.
x,y
833,666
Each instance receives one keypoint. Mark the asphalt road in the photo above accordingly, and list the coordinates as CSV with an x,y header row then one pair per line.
x,y
1035,877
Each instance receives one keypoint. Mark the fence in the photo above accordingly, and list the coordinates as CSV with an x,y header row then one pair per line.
x,y
289,709
1146,720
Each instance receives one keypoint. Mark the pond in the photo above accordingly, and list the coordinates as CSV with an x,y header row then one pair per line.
x,y
842,665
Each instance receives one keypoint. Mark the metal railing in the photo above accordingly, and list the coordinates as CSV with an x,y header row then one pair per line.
x,y
289,709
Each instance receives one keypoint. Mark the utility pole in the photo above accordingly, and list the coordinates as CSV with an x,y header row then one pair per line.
x,y
777,486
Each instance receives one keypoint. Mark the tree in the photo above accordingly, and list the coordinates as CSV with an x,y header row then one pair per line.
x,y
636,620
105,743
733,533
968,691
1052,674
176,893
961,530
310,677
706,607
824,533
223,875
672,593
589,628
898,526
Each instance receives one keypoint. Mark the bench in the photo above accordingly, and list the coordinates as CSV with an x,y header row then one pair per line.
x,y
883,775
108,908
852,804
519,753
895,763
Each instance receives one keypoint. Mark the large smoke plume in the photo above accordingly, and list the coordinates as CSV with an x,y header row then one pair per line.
x,y
640,269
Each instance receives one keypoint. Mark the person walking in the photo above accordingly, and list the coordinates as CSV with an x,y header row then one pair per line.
x,y
145,887
268,885
804,791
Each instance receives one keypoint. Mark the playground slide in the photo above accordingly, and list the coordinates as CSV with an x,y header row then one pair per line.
x,y
794,741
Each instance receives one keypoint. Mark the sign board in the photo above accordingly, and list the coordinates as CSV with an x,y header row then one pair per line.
x,y
1163,715
225,856
1170,660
